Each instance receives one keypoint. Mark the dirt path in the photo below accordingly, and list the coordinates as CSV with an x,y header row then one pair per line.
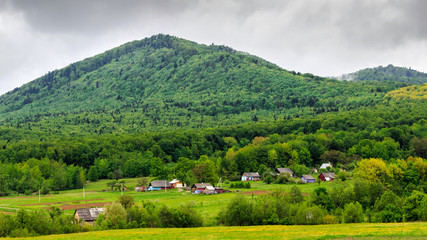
x,y
50,203
86,205
256,193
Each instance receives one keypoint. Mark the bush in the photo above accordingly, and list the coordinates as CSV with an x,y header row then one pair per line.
x,y
239,212
268,179
283,178
330,219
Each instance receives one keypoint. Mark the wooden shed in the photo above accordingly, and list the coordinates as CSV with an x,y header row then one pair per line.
x,y
219,190
88,215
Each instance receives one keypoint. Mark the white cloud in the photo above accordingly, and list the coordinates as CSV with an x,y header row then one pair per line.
x,y
325,37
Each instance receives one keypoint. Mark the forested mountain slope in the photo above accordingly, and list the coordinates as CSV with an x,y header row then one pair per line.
x,y
164,82
389,73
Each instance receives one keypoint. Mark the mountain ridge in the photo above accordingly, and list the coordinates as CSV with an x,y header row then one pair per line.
x,y
168,82
388,73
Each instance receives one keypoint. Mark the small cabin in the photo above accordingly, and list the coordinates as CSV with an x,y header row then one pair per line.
x,y
251,177
286,170
308,179
88,215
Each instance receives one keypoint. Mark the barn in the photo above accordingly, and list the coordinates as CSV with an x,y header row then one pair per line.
x,y
327,176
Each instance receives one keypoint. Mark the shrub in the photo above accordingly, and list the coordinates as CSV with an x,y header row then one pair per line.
x,y
268,179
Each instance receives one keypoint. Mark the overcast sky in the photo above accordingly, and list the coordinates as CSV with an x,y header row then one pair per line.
x,y
324,37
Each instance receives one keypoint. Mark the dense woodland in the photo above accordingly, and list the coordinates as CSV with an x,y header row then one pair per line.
x,y
393,132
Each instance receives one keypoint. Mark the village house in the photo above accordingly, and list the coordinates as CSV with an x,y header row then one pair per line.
x,y
308,179
209,190
176,183
88,215
251,177
159,185
286,170
199,187
325,166
327,176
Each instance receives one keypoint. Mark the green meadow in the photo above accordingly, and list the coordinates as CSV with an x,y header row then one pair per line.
x,y
98,194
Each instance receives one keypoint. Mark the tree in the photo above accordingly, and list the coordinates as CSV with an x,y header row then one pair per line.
x,y
127,201
335,157
143,181
239,212
322,198
295,195
205,170
115,216
373,170
93,174
353,213
412,207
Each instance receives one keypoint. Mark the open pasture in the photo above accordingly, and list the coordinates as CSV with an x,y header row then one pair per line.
x,y
97,194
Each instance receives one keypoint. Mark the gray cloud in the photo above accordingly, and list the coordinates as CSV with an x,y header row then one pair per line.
x,y
325,37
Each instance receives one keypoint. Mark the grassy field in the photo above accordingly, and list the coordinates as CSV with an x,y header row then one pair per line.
x,y
96,196
339,231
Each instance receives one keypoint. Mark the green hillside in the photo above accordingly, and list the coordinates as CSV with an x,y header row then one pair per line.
x,y
389,73
164,82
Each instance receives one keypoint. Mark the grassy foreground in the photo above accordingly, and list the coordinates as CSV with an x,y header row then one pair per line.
x,y
337,231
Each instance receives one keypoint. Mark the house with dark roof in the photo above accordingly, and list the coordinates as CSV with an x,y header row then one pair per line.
x,y
88,215
285,170
199,187
308,179
159,185
251,176
327,176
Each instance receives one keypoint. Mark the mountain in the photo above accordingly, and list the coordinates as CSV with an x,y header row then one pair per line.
x,y
164,83
389,73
